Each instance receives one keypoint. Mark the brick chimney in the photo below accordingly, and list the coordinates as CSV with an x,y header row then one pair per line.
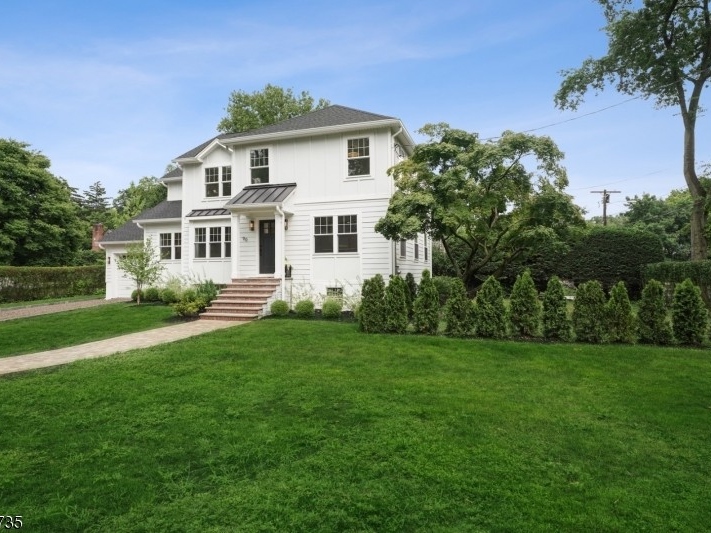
x,y
97,233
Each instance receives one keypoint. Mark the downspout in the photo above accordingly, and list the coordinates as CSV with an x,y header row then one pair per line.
x,y
392,191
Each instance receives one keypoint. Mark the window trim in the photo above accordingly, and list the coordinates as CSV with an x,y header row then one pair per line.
x,y
268,166
219,182
200,239
403,249
173,245
334,224
348,158
206,237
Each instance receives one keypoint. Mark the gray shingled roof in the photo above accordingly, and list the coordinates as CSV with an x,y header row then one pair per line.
x,y
165,209
177,172
334,115
263,194
126,233
207,212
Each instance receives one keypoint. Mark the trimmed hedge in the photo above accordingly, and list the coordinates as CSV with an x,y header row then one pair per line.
x,y
21,284
698,272
610,254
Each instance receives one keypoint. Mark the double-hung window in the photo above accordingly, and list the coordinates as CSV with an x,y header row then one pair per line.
x,y
200,242
166,246
259,165
323,235
403,249
214,186
346,235
417,249
228,241
177,245
216,242
358,152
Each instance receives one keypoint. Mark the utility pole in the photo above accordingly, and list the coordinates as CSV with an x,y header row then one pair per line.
x,y
605,200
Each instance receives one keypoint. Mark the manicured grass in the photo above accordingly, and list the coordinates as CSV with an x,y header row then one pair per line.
x,y
57,330
286,425
32,303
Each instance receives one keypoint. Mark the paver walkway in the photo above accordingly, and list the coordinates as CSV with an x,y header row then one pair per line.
x,y
123,343
91,350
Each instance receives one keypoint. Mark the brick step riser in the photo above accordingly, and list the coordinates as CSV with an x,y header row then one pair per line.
x,y
266,292
248,303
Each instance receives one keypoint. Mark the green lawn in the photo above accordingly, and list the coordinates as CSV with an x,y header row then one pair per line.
x,y
286,425
57,330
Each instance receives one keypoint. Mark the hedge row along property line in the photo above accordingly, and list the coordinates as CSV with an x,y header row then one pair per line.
x,y
595,317
19,284
677,271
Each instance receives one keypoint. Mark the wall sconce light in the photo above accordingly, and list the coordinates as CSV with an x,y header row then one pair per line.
x,y
286,224
251,225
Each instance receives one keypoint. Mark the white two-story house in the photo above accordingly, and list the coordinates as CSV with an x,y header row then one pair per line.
x,y
295,202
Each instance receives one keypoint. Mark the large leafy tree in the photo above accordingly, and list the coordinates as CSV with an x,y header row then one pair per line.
x,y
659,50
138,197
39,224
247,111
489,203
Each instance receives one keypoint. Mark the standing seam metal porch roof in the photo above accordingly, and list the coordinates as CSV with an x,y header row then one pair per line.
x,y
262,194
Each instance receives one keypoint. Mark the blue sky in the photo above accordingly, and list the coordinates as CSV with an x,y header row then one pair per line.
x,y
112,91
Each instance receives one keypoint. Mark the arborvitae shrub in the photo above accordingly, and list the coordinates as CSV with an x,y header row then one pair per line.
x,y
458,311
689,315
556,322
411,293
279,308
444,287
426,306
331,308
525,309
396,305
304,309
652,324
620,319
371,312
589,313
489,310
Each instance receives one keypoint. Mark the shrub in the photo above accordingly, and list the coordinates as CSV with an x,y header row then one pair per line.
x,y
135,294
152,294
689,315
426,306
489,310
304,309
36,283
331,308
410,293
207,290
610,254
589,313
458,311
443,284
169,296
279,308
698,272
396,305
652,324
620,320
556,323
371,312
525,309
189,308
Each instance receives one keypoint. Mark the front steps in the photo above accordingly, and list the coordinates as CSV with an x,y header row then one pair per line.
x,y
242,300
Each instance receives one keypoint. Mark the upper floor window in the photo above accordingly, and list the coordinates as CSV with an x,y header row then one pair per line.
x,y
359,157
417,250
403,248
259,165
214,186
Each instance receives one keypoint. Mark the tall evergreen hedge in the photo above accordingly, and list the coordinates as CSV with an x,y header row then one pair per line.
x,y
20,284
612,254
652,323
525,309
589,315
689,315
371,314
426,306
491,320
556,322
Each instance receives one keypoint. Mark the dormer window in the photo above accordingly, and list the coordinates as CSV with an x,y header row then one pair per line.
x,y
215,187
358,157
259,165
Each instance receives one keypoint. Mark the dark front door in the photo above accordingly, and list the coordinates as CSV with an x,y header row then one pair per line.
x,y
266,246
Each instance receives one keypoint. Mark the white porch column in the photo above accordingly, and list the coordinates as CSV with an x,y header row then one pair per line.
x,y
279,244
236,242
